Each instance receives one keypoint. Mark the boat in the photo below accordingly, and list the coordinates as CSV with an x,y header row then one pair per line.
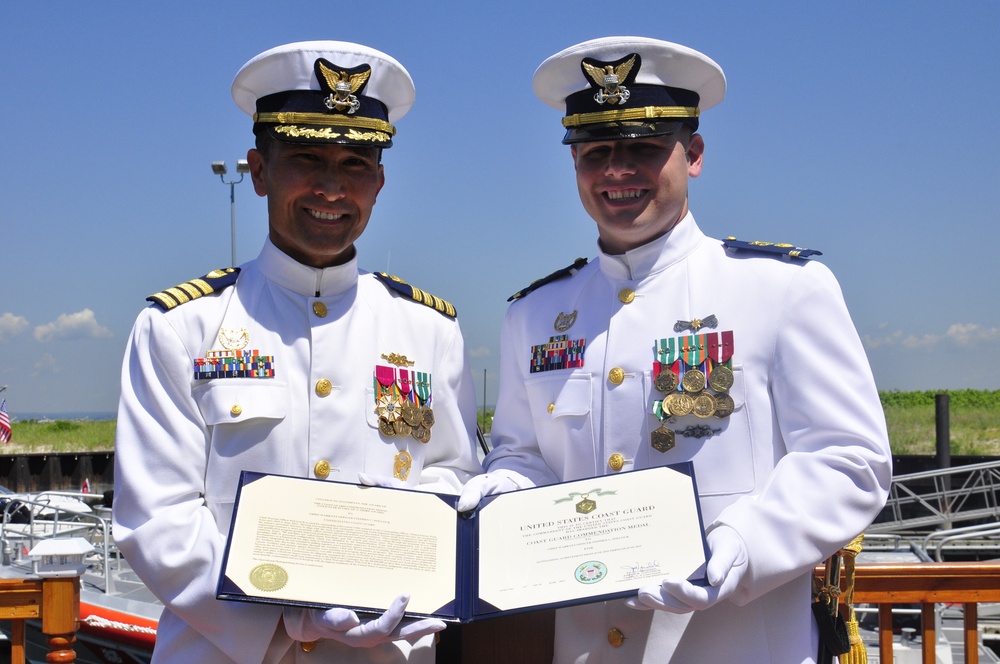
x,y
118,613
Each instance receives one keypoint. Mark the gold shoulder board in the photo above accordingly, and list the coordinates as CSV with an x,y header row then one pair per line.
x,y
214,281
417,295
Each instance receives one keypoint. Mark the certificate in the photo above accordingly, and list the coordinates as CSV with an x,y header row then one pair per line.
x,y
316,543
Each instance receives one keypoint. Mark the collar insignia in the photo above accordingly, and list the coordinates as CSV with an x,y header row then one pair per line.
x,y
610,78
341,84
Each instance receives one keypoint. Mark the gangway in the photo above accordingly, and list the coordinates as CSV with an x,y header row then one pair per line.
x,y
939,498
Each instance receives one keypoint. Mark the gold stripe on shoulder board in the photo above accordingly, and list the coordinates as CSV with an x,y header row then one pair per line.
x,y
417,294
214,281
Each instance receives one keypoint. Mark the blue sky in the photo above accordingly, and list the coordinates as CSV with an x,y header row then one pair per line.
x,y
864,129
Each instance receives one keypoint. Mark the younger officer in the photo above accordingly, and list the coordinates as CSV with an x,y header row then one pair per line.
x,y
672,346
297,363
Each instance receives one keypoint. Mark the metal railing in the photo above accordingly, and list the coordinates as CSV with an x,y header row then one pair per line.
x,y
941,497
965,583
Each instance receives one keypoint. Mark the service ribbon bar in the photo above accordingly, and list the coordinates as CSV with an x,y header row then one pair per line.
x,y
233,364
560,352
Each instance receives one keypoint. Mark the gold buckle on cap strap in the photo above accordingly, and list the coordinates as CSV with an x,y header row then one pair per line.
x,y
646,113
321,119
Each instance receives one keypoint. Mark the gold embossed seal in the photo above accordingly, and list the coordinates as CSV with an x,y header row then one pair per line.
x,y
268,577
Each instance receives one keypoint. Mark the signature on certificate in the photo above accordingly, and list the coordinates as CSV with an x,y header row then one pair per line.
x,y
640,570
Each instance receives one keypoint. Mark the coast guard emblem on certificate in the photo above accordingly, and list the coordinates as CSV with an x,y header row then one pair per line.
x,y
591,572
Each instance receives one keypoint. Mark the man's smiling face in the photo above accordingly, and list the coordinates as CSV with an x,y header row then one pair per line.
x,y
636,189
319,197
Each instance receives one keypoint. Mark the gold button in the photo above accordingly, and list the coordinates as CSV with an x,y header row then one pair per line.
x,y
319,309
322,469
308,646
626,295
615,637
616,461
616,375
236,409
324,387
551,407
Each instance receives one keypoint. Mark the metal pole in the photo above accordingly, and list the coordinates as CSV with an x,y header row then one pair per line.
x,y
232,208
942,430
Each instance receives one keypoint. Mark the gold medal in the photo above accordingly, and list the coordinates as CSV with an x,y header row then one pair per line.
x,y
422,434
402,428
411,413
724,405
704,406
388,408
386,428
666,381
663,439
679,404
693,381
586,505
426,417
721,379
401,465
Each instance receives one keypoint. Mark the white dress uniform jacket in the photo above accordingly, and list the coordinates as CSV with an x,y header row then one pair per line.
x,y
800,467
181,443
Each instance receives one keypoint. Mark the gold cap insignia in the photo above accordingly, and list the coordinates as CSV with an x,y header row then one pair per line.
x,y
610,78
341,84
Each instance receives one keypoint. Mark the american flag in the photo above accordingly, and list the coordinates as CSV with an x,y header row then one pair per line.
x,y
4,422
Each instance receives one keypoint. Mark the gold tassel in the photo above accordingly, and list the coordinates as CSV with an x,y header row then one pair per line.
x,y
858,653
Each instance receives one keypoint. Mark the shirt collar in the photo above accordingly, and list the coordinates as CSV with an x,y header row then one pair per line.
x,y
654,256
279,267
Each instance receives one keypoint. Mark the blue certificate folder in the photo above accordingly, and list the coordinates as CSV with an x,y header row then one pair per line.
x,y
317,543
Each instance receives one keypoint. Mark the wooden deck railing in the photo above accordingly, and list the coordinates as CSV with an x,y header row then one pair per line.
x,y
926,584
56,601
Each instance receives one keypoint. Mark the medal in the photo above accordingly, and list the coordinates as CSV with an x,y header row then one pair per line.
x,y
666,381
704,406
388,408
422,434
679,404
721,378
586,505
724,405
386,428
401,428
426,417
411,413
662,439
693,381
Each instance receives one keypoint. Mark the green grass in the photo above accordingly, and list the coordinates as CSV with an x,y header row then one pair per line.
x,y
32,437
974,418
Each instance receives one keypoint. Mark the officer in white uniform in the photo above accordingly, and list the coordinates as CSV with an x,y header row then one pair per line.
x,y
297,363
672,346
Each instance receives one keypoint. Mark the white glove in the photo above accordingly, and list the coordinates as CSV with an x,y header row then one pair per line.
x,y
382,480
727,563
343,625
497,481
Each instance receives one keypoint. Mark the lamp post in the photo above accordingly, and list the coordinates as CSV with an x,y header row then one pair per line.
x,y
219,168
